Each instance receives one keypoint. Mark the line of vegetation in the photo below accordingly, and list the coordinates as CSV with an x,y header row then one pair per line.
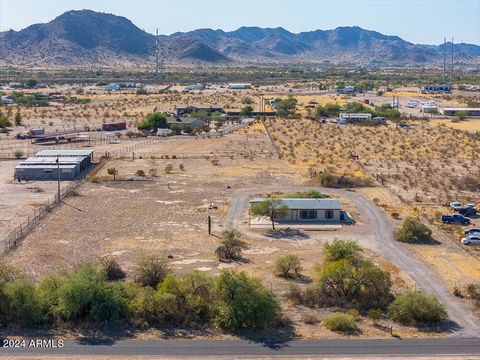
x,y
93,295
347,280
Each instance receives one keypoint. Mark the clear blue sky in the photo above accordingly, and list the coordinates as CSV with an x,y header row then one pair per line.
x,y
418,21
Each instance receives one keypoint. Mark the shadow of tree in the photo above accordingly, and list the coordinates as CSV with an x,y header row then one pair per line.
x,y
273,338
287,234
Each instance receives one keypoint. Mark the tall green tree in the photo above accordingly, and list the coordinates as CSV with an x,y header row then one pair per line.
x,y
273,208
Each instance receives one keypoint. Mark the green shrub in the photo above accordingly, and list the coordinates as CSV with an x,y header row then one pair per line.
x,y
341,322
85,295
341,249
93,179
374,315
151,271
244,303
24,306
288,266
414,308
413,231
140,172
354,284
18,154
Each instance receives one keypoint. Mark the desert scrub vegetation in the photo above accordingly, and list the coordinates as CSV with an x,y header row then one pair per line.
x,y
231,245
417,163
347,280
413,231
341,322
414,308
84,297
288,266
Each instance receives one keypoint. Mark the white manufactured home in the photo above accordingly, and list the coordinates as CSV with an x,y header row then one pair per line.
x,y
309,210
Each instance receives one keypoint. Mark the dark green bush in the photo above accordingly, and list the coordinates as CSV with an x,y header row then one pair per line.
x,y
414,308
413,231
244,303
341,322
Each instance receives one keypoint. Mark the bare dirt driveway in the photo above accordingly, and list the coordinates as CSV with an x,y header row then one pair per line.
x,y
380,240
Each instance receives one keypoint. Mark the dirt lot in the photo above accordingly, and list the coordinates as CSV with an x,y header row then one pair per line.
x,y
18,201
167,214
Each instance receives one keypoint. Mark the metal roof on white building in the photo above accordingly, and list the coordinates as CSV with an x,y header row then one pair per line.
x,y
306,204
70,153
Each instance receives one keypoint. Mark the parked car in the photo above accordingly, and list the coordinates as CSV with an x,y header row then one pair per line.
x,y
455,205
457,218
472,231
472,239
213,205
467,210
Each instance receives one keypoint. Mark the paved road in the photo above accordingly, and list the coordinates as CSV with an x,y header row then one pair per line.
x,y
229,348
464,322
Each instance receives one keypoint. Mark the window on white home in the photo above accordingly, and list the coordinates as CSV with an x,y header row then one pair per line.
x,y
308,214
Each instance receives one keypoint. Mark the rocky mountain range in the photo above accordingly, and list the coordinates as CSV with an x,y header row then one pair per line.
x,y
83,38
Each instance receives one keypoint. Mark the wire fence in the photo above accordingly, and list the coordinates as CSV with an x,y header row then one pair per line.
x,y
15,237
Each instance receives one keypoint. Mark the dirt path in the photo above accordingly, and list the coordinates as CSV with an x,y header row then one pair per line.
x,y
383,243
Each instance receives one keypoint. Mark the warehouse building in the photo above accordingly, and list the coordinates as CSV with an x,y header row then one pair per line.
x,y
51,165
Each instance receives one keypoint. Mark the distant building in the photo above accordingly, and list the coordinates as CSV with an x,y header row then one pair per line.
x,y
349,89
112,87
47,164
195,87
428,108
114,126
239,86
6,100
436,89
188,109
309,210
351,118
195,123
455,111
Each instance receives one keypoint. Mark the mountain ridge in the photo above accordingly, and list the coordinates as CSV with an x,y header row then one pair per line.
x,y
86,37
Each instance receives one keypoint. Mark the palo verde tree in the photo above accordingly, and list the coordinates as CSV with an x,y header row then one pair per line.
x,y
112,171
273,208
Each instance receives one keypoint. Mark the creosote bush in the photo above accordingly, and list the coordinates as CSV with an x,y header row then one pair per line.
x,y
150,271
414,308
413,231
231,245
288,266
341,322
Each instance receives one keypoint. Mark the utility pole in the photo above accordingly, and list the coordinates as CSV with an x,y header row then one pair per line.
x,y
156,55
451,78
444,59
58,178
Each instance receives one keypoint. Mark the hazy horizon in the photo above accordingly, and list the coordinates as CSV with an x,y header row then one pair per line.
x,y
421,22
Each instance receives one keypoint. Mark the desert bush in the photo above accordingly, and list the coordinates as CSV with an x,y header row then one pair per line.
x,y
374,315
112,171
414,308
8,273
341,322
23,304
112,269
341,249
231,245
168,168
288,266
413,231
309,319
244,303
473,291
181,167
18,154
140,172
93,179
83,295
354,284
150,271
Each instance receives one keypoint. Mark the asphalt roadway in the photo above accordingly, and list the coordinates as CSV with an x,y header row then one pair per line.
x,y
235,348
